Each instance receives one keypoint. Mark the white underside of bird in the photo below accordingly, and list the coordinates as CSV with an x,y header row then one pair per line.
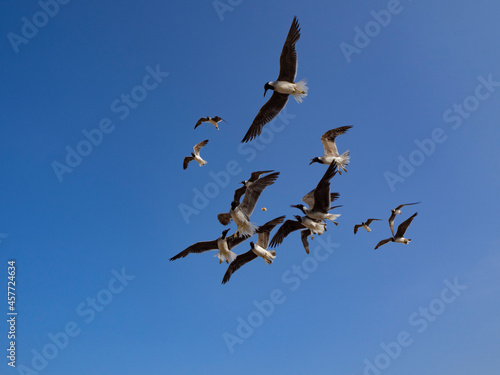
x,y
342,161
321,215
316,227
297,90
402,240
224,254
200,161
241,220
368,229
214,123
267,255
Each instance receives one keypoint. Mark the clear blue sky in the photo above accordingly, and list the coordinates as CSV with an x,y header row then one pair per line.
x,y
143,73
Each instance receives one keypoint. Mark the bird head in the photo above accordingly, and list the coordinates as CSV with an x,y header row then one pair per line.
x,y
315,160
224,233
252,244
267,86
299,206
299,219
243,182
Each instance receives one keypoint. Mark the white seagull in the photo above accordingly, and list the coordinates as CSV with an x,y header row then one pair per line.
x,y
213,120
322,198
309,227
364,224
196,155
241,212
223,244
397,211
258,249
399,236
331,152
282,87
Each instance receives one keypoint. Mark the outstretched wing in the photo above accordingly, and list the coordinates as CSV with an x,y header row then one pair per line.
x,y
369,221
383,242
303,236
237,263
406,204
187,159
199,146
288,227
288,58
268,112
356,227
253,192
217,119
200,121
328,140
391,222
233,240
197,248
404,226
265,230
322,191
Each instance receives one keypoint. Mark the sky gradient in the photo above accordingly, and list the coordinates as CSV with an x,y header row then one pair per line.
x,y
98,105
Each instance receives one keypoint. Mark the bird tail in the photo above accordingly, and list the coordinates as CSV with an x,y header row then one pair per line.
x,y
342,161
270,255
249,228
332,217
224,218
230,257
368,229
301,91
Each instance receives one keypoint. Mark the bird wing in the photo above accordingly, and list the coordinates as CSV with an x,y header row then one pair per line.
x,y
253,192
383,242
406,204
309,199
268,112
199,146
391,222
288,58
187,159
264,230
322,191
404,225
303,236
356,228
224,218
200,121
369,221
217,119
197,248
233,240
288,227
328,140
239,261
255,175
238,193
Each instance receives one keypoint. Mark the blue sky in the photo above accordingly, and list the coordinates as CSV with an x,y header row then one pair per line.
x,y
92,235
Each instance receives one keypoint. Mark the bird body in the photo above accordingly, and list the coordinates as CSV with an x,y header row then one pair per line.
x,y
267,255
365,225
399,236
195,155
224,253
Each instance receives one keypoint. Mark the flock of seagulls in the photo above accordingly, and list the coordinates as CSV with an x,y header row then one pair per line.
x,y
317,203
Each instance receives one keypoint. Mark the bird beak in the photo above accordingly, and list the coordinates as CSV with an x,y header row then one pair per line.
x,y
295,206
242,182
312,161
265,93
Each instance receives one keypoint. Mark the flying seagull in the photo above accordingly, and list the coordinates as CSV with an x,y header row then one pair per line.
x,y
282,87
196,155
322,198
223,243
331,152
225,217
309,227
258,249
213,120
364,225
397,211
241,212
398,237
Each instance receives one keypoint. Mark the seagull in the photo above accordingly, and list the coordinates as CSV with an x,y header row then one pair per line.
x,y
253,177
258,249
322,198
331,152
398,237
309,226
397,211
282,87
223,243
225,217
196,155
241,212
213,120
364,225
